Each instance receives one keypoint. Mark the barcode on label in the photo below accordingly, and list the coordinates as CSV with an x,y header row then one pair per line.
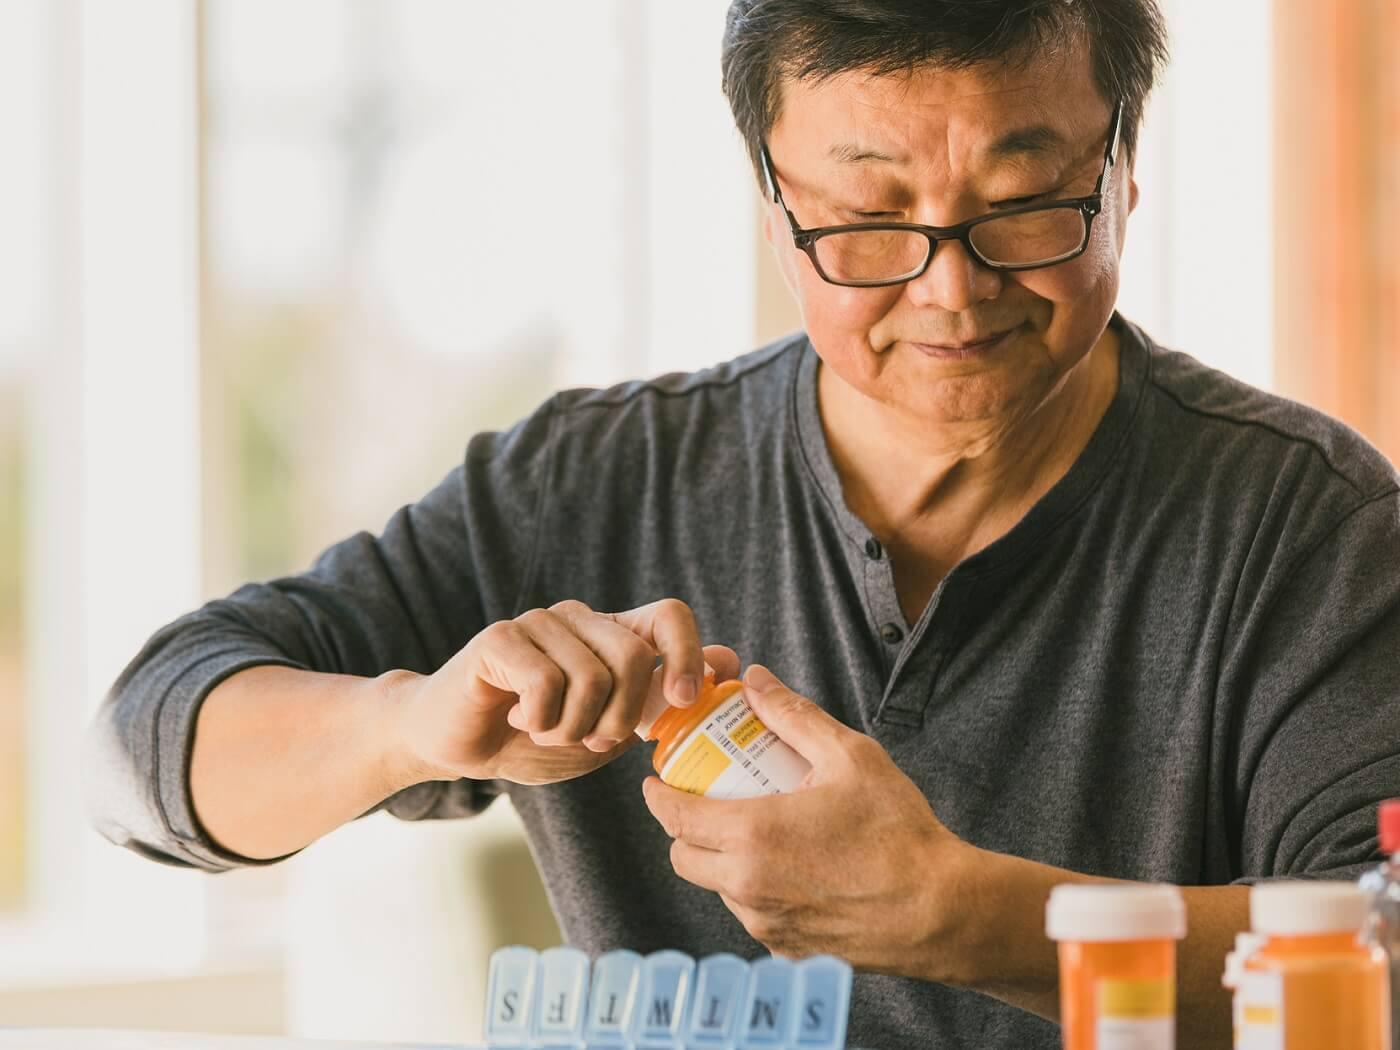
x,y
743,760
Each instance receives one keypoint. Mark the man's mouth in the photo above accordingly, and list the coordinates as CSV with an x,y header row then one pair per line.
x,y
963,349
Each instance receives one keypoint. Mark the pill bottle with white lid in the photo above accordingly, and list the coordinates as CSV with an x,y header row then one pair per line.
x,y
1117,949
719,748
1246,944
1313,984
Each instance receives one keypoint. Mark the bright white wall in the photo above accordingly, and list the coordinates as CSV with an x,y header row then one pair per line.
x,y
1198,265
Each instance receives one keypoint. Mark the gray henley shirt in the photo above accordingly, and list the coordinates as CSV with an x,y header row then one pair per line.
x,y
1183,664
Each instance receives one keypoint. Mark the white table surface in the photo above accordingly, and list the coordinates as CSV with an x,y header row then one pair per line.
x,y
109,1039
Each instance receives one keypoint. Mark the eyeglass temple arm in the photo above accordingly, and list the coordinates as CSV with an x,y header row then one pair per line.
x,y
769,182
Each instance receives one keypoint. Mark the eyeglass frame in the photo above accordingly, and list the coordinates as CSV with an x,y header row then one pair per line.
x,y
1088,206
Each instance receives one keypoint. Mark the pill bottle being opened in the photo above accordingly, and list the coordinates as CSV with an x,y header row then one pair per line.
x,y
718,747
1313,984
1117,948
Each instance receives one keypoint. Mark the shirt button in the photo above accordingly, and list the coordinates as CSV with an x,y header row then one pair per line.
x,y
875,553
891,633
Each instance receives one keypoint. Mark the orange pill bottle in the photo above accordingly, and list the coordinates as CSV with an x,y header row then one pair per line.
x,y
1117,948
1312,984
717,747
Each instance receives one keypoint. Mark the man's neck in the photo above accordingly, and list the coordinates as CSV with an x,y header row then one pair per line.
x,y
946,492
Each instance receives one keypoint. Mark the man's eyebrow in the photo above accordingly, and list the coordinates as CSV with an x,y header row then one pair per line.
x,y
1036,140
850,153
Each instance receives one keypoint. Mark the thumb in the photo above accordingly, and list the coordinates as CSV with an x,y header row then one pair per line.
x,y
799,723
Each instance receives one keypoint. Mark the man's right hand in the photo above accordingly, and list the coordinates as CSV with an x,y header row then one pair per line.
x,y
550,695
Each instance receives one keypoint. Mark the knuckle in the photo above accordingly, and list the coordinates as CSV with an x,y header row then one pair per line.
x,y
638,657
547,679
570,608
593,683
533,617
675,611
673,824
500,631
866,750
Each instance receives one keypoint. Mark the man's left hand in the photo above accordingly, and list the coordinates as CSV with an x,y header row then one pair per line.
x,y
853,863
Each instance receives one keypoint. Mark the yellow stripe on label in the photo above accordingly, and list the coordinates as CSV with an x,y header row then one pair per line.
x,y
698,766
747,731
1137,999
1259,1015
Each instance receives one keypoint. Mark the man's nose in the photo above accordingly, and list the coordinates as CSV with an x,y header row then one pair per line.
x,y
954,280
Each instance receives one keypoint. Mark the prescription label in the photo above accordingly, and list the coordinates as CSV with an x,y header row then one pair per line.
x,y
1259,1012
747,731
724,767
1136,1015
697,767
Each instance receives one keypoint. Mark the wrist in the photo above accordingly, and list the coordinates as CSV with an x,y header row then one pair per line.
x,y
391,701
957,907
997,941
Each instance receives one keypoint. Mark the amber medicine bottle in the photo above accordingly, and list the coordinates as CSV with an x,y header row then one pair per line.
x,y
718,747
1313,984
1117,948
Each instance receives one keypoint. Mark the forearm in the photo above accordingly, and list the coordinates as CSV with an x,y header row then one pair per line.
x,y
283,756
1002,949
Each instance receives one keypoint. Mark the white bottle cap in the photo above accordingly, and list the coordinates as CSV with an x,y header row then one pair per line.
x,y
1297,907
1246,944
1115,912
656,703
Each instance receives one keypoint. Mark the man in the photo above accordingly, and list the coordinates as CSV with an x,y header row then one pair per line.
x,y
1039,601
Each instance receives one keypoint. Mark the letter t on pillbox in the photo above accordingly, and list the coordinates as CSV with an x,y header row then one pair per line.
x,y
768,1013
659,1023
510,995
561,982
823,1002
720,983
617,976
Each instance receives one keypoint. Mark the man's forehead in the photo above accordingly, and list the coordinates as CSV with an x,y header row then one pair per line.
x,y
1030,112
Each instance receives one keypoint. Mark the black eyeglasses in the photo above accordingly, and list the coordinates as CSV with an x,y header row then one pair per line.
x,y
874,254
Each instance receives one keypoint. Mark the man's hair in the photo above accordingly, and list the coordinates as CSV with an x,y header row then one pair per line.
x,y
766,41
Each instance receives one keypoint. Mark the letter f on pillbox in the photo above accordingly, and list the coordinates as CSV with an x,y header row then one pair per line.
x,y
561,983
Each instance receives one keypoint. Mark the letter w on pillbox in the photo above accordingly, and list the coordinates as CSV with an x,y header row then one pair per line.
x,y
554,1001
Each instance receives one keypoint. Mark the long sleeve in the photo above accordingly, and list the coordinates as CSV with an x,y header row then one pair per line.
x,y
408,598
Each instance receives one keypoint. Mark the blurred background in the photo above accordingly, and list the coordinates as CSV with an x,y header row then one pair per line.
x,y
264,269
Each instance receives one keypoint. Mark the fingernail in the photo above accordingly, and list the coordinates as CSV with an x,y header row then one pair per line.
x,y
760,678
600,743
685,689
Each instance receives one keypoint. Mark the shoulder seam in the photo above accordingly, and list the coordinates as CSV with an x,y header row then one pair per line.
x,y
1297,438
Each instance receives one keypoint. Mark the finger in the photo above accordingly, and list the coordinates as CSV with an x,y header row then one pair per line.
x,y
723,661
506,660
709,823
587,681
798,722
700,867
669,627
629,660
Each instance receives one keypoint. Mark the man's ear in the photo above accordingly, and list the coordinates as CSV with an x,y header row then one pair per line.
x,y
775,232
1132,192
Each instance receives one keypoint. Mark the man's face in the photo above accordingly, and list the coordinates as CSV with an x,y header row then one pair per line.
x,y
930,134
